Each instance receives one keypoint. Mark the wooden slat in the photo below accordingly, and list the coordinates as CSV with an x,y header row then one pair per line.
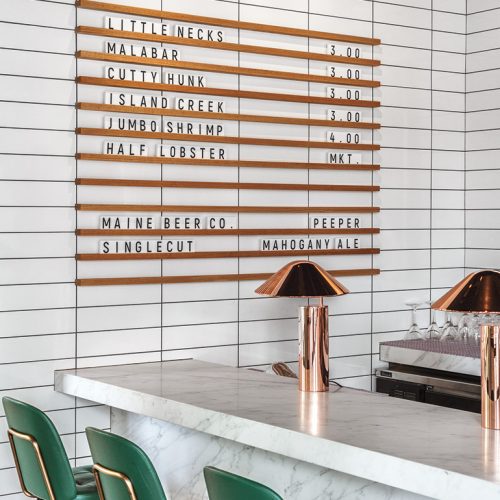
x,y
225,70
221,254
256,141
206,278
226,23
287,120
224,163
234,47
221,209
221,232
223,185
243,94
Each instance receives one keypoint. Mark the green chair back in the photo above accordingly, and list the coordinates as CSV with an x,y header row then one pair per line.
x,y
116,456
30,421
222,485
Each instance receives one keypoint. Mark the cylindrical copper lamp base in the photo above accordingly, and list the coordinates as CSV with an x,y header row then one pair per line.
x,y
490,376
313,349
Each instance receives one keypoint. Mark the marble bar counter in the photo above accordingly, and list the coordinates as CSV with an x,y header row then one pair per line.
x,y
456,356
344,444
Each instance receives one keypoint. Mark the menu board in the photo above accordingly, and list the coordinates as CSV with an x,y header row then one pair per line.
x,y
161,106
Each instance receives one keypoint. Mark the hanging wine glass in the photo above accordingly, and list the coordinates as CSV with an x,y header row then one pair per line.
x,y
433,331
463,327
475,326
447,321
414,332
450,331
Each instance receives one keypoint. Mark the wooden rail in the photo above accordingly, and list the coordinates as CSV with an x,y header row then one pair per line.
x,y
222,139
224,185
223,69
224,163
85,207
222,232
206,278
226,23
243,94
233,47
286,120
221,254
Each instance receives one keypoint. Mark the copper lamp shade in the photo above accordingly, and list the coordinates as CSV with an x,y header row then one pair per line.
x,y
477,293
301,278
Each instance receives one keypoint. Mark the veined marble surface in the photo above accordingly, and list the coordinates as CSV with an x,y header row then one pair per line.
x,y
179,455
457,362
428,450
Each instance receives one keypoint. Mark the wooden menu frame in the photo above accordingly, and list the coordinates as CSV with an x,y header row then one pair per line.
x,y
239,163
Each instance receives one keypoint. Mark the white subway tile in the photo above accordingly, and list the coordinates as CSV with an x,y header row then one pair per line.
x,y
457,6
482,40
225,355
448,22
37,142
22,297
37,38
37,168
9,484
32,245
47,14
402,280
402,15
474,7
448,258
269,352
188,337
44,398
451,42
483,21
350,345
32,374
119,359
349,367
24,63
402,35
118,342
22,349
191,313
395,301
29,271
118,317
405,259
94,416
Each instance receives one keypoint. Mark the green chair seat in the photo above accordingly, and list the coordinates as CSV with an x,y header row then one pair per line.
x,y
120,465
222,485
85,482
41,460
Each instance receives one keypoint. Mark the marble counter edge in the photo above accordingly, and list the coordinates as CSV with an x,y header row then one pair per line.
x,y
368,464
428,359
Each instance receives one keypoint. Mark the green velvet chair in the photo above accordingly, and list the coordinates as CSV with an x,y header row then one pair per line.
x,y
222,485
122,470
42,464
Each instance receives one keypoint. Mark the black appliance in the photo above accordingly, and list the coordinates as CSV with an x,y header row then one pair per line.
x,y
453,390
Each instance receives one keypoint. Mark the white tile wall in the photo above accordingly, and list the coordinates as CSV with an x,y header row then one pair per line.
x,y
483,117
46,324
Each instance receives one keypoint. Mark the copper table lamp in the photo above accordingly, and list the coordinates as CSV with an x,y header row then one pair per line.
x,y
303,278
479,293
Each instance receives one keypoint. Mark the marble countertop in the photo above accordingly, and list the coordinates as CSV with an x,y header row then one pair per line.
x,y
429,450
451,355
